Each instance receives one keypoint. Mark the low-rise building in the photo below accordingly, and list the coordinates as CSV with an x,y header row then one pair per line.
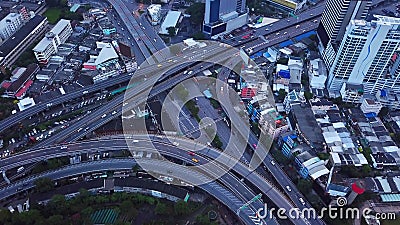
x,y
14,46
49,44
154,13
172,19
18,88
370,106
10,24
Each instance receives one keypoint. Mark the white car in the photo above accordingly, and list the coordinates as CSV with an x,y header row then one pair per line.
x,y
64,147
302,201
113,113
288,188
272,162
103,115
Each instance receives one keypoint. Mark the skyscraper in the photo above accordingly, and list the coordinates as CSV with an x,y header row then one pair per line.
x,y
335,18
223,16
365,57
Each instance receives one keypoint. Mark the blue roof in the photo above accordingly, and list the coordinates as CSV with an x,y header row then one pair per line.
x,y
266,55
305,35
284,73
383,93
286,43
370,115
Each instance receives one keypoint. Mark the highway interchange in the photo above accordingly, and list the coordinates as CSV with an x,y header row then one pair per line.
x,y
94,121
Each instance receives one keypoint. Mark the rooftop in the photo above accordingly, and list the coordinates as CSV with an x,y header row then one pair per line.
x,y
12,42
308,124
171,20
56,30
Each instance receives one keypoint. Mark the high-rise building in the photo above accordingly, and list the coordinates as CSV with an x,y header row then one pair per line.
x,y
366,58
10,24
223,16
49,44
335,18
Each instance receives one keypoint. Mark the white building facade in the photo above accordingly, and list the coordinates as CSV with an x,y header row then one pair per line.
x,y
49,44
364,56
10,24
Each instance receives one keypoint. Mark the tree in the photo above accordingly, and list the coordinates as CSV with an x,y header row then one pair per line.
x,y
304,186
181,208
161,209
171,31
44,184
198,36
308,95
126,206
384,111
196,12
202,220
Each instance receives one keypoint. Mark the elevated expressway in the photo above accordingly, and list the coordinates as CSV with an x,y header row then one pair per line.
x,y
164,147
221,193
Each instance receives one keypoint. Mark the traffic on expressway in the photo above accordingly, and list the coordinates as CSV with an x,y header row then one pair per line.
x,y
195,112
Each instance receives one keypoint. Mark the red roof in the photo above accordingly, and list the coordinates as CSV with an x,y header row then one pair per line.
x,y
248,92
24,88
357,189
6,85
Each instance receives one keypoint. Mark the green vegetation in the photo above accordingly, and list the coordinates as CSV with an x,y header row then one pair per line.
x,y
196,12
194,110
283,61
308,95
215,104
58,9
217,142
44,184
6,106
281,95
323,156
182,92
171,31
123,208
50,164
352,171
53,15
259,7
198,36
304,186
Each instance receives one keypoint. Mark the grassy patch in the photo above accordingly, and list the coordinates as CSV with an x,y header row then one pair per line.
x,y
53,15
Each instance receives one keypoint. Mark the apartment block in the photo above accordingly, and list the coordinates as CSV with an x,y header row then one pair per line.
x,y
49,44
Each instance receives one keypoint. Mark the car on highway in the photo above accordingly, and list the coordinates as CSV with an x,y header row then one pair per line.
x,y
19,170
254,145
155,40
195,160
191,153
64,147
190,72
159,65
302,201
288,188
272,162
103,115
114,112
